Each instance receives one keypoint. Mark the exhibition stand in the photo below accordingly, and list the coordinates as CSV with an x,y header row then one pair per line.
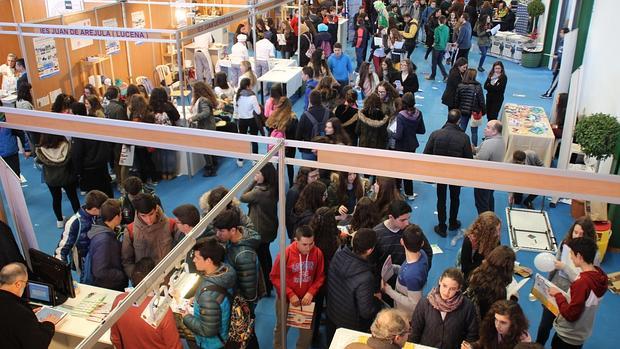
x,y
421,167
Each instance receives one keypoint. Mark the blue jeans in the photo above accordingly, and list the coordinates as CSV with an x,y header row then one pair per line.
x,y
360,55
483,55
474,130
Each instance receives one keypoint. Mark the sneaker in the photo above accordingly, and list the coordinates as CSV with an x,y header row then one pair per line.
x,y
412,197
480,69
441,230
545,96
428,77
82,192
60,224
240,163
454,226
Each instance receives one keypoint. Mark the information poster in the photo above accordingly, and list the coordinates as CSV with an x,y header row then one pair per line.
x,y
59,7
45,54
111,46
79,43
138,21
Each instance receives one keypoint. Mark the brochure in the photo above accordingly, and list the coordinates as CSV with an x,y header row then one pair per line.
x,y
514,287
540,291
387,271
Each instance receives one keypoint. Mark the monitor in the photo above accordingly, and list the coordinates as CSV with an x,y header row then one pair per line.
x,y
55,272
39,293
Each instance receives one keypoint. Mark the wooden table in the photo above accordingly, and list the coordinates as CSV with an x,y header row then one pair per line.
x,y
527,128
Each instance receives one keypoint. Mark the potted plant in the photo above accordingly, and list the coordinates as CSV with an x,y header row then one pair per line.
x,y
597,135
532,54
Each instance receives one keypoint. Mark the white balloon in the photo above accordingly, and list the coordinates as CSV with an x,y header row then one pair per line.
x,y
545,262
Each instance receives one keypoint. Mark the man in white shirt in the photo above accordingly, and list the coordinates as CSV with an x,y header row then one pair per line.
x,y
264,50
9,75
238,53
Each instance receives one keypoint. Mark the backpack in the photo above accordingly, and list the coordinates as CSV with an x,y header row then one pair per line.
x,y
318,128
326,46
311,47
241,322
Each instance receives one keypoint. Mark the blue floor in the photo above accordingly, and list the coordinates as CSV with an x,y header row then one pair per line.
x,y
524,87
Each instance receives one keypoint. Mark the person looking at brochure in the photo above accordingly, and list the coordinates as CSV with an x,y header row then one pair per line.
x,y
20,329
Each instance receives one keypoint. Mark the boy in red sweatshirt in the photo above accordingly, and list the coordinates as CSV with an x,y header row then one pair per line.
x,y
304,277
576,319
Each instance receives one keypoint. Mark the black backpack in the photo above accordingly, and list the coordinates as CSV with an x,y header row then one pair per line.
x,y
318,128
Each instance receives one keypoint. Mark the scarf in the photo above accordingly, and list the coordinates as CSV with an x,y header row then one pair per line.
x,y
442,305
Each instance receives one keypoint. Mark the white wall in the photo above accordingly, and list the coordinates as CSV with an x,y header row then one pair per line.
x,y
600,84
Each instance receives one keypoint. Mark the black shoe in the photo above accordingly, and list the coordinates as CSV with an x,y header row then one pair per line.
x,y
480,69
454,226
441,230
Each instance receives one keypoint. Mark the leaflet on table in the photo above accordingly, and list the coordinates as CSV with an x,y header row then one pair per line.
x,y
495,29
541,292
45,312
387,271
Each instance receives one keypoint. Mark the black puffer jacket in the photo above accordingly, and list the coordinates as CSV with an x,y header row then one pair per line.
x,y
470,98
454,79
372,129
350,285
450,140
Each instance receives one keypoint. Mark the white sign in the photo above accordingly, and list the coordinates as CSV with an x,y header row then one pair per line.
x,y
45,55
111,46
138,21
59,7
79,43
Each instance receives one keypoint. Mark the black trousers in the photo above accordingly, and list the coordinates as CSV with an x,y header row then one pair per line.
x,y
558,343
455,193
264,258
518,198
484,200
97,179
249,125
71,191
463,52
13,162
545,326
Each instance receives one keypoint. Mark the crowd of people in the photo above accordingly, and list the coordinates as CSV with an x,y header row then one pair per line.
x,y
342,226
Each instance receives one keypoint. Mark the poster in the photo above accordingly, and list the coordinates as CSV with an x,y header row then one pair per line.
x,y
111,46
45,54
540,291
59,7
79,43
138,21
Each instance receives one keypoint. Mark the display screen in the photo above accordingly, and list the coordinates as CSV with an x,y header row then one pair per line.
x,y
39,292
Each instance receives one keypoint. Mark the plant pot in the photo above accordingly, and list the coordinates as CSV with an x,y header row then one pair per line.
x,y
531,59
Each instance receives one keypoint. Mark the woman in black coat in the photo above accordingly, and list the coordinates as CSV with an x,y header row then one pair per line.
x,y
455,77
433,22
409,124
495,86
407,77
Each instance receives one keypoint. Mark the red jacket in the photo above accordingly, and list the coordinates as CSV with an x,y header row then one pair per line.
x,y
130,331
304,273
595,281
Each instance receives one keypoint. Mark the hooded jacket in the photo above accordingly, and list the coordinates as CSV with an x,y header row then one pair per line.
x,y
153,241
75,234
211,316
350,285
8,141
372,129
105,251
57,168
576,319
263,211
242,256
408,126
304,273
310,85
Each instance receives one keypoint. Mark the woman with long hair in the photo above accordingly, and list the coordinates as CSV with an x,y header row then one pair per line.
x,y
262,199
246,105
245,68
488,282
290,43
329,92
367,80
307,38
335,132
495,86
483,30
365,215
455,77
391,102
24,97
93,107
89,90
62,104
480,239
304,176
445,318
388,74
222,89
347,111
283,124
409,124
54,154
372,123
503,327
385,191
143,159
272,102
469,99
318,63
166,159
311,198
204,103
564,273
394,36
407,77
160,103
343,194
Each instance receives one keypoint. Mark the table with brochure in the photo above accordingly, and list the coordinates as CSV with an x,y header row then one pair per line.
x,y
527,128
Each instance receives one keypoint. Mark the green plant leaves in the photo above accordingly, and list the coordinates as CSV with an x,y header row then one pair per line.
x,y
597,135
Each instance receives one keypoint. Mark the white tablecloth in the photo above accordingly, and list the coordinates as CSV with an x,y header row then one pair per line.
x,y
344,337
527,128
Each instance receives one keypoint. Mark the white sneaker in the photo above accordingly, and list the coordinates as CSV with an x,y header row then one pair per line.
x,y
240,163
60,224
412,197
